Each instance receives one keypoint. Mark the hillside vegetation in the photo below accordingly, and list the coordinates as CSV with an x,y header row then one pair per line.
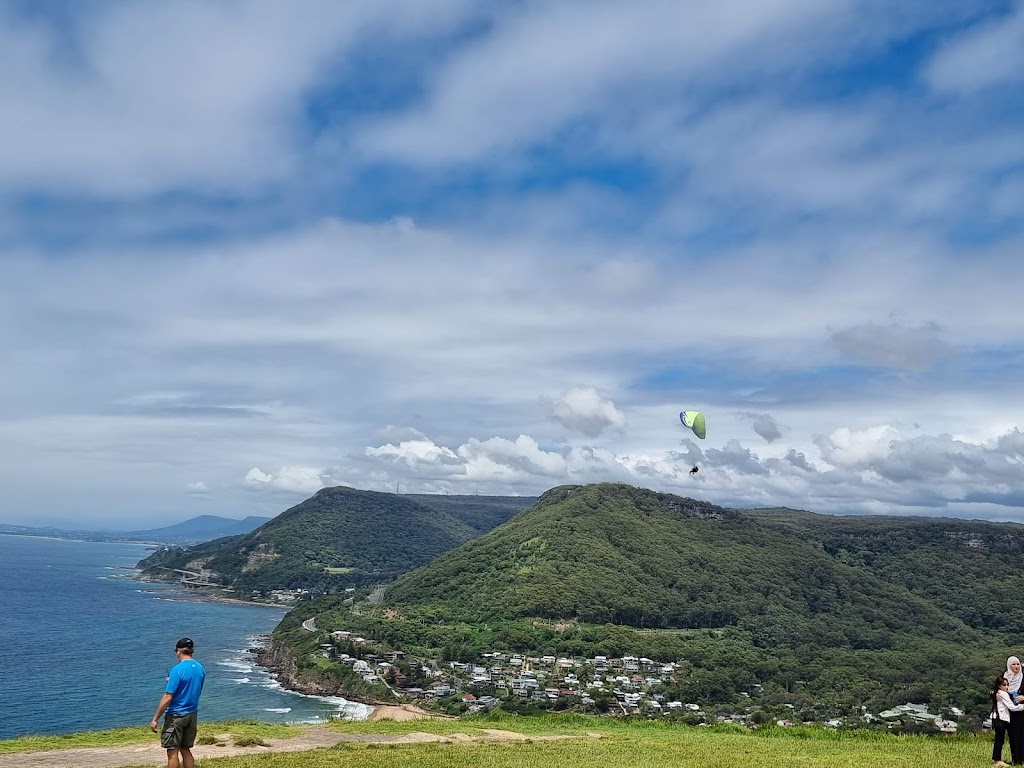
x,y
339,537
623,555
822,612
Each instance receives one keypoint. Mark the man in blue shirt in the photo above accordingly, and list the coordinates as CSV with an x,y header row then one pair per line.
x,y
181,702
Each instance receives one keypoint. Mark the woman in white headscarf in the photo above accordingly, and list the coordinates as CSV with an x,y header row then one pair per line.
x,y
1015,676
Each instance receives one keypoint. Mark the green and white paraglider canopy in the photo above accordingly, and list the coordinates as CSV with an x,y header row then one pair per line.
x,y
695,421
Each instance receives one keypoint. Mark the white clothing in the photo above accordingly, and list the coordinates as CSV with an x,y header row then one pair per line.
x,y
1014,679
1005,705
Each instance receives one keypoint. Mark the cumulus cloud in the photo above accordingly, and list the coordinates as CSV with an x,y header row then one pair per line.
x,y
893,345
417,453
199,488
583,410
766,426
845,447
867,471
296,480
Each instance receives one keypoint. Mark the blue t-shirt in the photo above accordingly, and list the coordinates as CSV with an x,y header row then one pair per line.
x,y
185,683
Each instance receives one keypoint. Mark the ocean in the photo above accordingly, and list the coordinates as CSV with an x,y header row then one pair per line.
x,y
83,646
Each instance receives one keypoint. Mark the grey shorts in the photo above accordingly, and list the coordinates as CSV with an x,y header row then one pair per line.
x,y
179,731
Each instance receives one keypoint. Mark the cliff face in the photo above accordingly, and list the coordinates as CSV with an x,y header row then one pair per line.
x,y
279,659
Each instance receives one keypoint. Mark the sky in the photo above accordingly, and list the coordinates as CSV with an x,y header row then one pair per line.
x,y
250,249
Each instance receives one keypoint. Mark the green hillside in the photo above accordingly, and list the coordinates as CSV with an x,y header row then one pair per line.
x,y
971,569
821,613
623,555
340,537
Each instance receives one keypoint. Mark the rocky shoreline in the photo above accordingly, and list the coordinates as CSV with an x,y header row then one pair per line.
x,y
278,659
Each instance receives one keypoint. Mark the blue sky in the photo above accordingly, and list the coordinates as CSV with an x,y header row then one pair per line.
x,y
250,249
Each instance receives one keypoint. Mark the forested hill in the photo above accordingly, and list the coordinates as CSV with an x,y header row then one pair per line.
x,y
821,612
971,569
625,555
340,537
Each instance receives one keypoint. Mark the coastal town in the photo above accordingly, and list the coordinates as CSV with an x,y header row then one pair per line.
x,y
615,686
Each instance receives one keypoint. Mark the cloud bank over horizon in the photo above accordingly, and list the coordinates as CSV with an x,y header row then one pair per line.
x,y
247,253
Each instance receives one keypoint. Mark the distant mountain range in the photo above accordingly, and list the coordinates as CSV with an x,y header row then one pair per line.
x,y
192,531
341,537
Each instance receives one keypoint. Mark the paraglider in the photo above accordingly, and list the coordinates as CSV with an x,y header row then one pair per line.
x,y
694,420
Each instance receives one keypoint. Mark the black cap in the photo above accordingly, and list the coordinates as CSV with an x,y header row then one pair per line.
x,y
185,642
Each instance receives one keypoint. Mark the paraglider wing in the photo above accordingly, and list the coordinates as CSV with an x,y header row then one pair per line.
x,y
695,421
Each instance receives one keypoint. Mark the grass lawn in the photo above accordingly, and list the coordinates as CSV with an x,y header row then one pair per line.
x,y
116,737
625,744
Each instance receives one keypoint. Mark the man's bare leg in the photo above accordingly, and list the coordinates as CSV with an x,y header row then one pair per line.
x,y
187,761
172,758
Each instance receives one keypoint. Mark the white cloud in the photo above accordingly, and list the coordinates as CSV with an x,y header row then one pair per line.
x,y
198,488
298,480
689,204
852,448
867,471
583,410
521,84
988,54
136,98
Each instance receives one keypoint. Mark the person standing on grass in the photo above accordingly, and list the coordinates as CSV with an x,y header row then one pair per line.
x,y
1014,678
181,702
1002,710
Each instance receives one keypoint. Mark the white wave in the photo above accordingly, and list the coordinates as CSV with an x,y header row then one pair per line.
x,y
281,710
350,710
240,679
238,666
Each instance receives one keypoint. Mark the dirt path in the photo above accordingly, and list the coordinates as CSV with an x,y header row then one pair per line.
x,y
313,737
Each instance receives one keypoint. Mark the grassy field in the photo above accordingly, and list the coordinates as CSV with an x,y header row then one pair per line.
x,y
117,737
623,744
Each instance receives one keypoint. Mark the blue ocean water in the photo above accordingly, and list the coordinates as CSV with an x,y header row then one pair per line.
x,y
86,647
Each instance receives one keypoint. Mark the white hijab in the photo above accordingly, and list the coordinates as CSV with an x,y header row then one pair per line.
x,y
1013,679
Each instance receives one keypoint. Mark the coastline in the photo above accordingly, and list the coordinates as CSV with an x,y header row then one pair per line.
x,y
204,594
278,660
